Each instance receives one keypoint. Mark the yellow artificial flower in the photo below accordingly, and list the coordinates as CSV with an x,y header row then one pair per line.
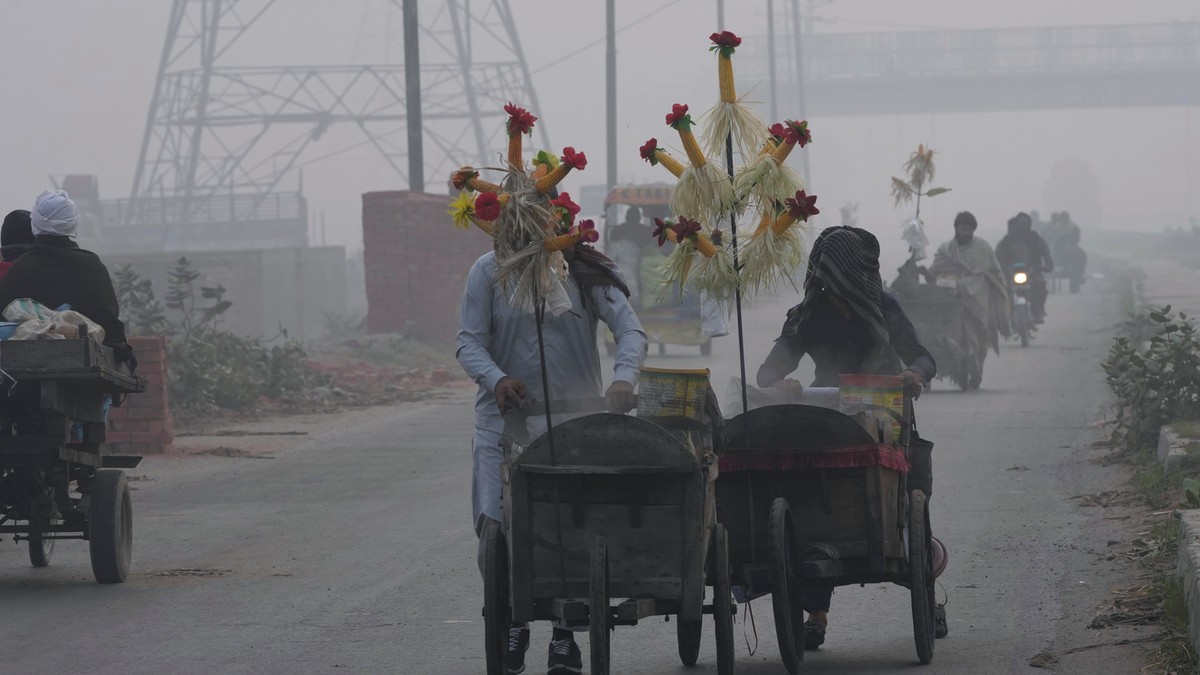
x,y
461,209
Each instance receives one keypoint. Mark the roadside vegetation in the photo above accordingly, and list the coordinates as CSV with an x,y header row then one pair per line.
x,y
1153,371
211,367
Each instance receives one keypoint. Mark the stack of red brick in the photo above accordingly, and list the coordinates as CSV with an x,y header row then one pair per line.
x,y
143,425
416,263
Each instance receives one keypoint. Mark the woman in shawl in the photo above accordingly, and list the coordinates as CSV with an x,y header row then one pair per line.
x,y
847,324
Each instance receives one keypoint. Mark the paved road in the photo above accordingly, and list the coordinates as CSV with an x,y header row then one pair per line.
x,y
349,549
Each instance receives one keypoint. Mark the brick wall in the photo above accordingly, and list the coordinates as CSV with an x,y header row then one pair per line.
x,y
143,425
416,263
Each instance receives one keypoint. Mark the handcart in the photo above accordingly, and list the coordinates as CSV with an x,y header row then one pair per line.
x,y
609,508
55,481
811,497
940,317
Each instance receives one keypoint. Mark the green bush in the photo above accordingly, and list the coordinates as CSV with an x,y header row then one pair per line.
x,y
1156,382
210,367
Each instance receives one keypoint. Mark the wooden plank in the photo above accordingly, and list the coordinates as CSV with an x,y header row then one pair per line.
x,y
874,524
633,610
520,547
569,610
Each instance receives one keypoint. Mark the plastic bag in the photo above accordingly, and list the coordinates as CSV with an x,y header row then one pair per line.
x,y
37,322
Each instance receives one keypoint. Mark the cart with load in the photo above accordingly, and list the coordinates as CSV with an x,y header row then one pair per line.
x,y
55,481
608,520
813,496
938,313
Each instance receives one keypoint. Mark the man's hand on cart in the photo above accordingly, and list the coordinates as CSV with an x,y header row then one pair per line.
x,y
913,384
789,386
620,397
510,392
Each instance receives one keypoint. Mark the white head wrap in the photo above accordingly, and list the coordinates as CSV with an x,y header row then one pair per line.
x,y
55,213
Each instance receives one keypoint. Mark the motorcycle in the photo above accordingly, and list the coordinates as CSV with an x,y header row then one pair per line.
x,y
1020,287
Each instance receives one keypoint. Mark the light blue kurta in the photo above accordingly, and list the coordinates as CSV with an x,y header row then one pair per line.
x,y
497,340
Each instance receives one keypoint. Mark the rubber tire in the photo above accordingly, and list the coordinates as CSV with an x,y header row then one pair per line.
x,y
40,550
722,601
598,616
921,577
496,613
786,598
706,348
687,636
110,526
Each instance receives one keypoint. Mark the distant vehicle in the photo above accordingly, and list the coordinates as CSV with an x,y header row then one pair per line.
x,y
1022,313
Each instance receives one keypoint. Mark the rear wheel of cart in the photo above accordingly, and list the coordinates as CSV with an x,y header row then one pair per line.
x,y
598,628
786,597
722,601
687,634
496,612
41,548
920,563
110,526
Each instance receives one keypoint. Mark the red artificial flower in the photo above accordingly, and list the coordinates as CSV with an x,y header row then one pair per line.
x,y
660,230
587,231
649,151
777,131
679,117
567,208
519,120
576,160
724,42
685,229
800,208
798,133
487,206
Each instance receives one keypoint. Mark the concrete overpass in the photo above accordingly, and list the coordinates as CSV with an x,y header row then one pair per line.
x,y
988,70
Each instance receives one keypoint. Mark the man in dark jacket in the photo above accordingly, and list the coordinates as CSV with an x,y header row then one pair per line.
x,y
55,271
1023,245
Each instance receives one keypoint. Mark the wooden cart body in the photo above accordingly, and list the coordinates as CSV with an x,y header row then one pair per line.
x,y
940,319
642,487
48,386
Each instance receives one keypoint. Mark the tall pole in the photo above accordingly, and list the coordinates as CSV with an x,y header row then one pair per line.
x,y
610,68
720,14
798,45
412,97
771,61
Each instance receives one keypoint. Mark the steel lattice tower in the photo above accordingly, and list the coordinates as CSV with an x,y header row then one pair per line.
x,y
219,139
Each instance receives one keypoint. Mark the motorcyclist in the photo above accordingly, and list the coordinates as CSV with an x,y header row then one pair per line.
x,y
1023,245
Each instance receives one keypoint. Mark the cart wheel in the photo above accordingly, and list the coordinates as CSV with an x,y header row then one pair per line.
x,y
41,549
598,628
786,597
496,613
920,568
110,526
687,634
722,601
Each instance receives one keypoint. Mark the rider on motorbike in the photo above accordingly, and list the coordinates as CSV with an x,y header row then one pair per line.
x,y
1023,245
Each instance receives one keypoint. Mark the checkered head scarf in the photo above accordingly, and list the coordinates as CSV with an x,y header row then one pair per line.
x,y
844,262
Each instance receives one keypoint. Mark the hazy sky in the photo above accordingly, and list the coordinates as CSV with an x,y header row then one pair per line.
x,y
78,77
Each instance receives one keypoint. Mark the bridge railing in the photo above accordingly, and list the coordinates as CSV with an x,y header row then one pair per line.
x,y
1002,51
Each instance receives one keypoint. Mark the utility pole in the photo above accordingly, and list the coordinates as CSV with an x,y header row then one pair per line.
x,y
611,98
798,45
412,97
771,61
720,14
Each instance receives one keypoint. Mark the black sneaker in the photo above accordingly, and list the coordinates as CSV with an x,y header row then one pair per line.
x,y
518,644
940,628
814,634
565,658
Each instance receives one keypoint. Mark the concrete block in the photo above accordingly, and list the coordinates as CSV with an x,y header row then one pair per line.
x,y
1171,449
1187,565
